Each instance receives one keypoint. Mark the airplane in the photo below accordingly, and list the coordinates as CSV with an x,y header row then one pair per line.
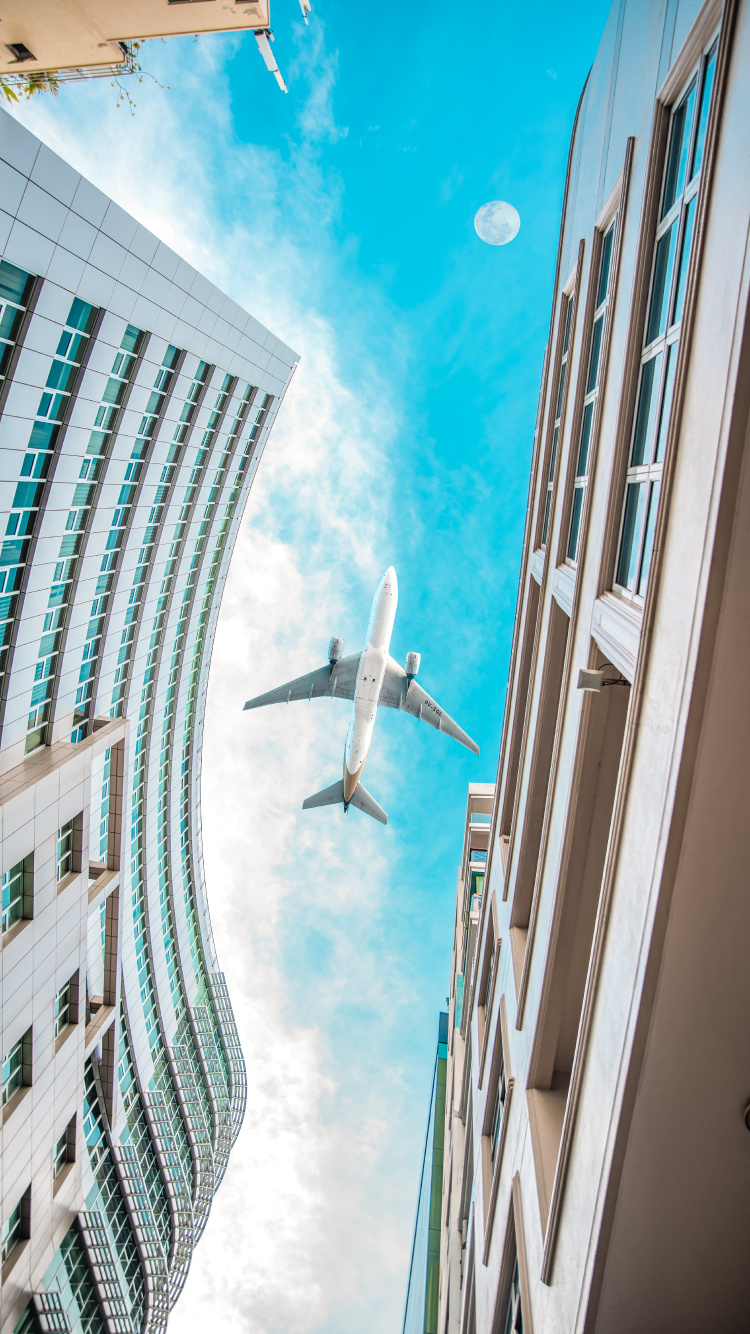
x,y
369,679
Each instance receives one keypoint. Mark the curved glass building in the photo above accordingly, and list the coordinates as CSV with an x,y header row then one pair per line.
x,y
135,403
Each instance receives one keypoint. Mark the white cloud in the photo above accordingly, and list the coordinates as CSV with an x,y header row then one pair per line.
x,y
311,1228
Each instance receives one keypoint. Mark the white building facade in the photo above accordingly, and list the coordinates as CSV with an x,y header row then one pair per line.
x,y
597,1160
135,403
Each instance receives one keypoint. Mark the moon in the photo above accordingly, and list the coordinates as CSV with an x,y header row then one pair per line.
x,y
497,222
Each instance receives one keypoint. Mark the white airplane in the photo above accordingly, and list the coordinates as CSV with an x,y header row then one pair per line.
x,y
368,679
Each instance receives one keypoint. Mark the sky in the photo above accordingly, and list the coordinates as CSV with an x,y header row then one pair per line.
x,y
341,216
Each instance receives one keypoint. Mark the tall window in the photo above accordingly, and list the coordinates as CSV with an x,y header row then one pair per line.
x,y
12,1071
567,322
674,238
498,1110
514,1315
12,1230
65,850
17,892
15,290
592,390
65,1007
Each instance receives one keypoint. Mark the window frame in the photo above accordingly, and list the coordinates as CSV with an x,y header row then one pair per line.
x,y
20,1073
20,904
640,494
565,339
65,1012
609,224
68,863
12,1078
491,1157
64,1151
16,1227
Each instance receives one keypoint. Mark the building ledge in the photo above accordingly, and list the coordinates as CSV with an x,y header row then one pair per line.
x,y
97,1025
48,759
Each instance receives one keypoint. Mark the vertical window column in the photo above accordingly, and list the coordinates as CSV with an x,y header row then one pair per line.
x,y
86,495
567,323
44,441
674,238
592,391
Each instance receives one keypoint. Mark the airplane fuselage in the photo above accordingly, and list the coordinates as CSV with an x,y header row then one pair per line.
x,y
369,681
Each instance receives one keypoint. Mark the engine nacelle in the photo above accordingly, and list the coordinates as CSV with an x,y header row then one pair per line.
x,y
334,650
412,665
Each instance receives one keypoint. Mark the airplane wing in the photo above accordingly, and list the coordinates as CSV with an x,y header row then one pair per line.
x,y
397,692
338,682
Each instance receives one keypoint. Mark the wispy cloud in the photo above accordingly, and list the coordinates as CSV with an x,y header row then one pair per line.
x,y
308,1233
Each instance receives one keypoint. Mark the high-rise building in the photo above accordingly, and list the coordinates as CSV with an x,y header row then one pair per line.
x,y
597,1173
135,403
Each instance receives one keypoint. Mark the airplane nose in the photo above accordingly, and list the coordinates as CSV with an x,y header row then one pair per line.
x,y
389,579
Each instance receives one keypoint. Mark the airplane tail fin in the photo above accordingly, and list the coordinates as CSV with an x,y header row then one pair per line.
x,y
334,796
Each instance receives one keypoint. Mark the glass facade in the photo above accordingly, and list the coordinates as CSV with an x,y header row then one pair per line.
x,y
421,1312
128,450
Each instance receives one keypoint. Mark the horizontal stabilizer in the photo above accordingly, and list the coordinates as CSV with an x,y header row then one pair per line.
x,y
364,802
334,796
330,796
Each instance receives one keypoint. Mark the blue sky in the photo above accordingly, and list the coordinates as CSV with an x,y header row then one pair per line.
x,y
341,215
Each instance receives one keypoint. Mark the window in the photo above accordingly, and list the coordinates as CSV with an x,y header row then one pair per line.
x,y
477,888
12,1071
513,1314
69,848
66,1005
567,323
12,1230
15,290
674,237
498,1110
478,855
65,1149
592,389
18,892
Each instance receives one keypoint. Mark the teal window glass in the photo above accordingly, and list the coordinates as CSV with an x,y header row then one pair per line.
x,y
685,246
631,531
12,1071
591,394
12,1231
679,145
662,284
645,416
64,1009
700,138
575,523
13,895
648,540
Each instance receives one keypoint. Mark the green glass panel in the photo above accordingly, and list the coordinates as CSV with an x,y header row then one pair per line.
x,y
663,269
631,533
679,142
700,138
687,241
647,401
575,523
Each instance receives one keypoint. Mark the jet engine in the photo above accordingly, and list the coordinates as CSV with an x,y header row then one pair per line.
x,y
412,665
334,650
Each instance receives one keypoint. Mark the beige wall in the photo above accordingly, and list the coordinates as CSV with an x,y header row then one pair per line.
x,y
63,34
